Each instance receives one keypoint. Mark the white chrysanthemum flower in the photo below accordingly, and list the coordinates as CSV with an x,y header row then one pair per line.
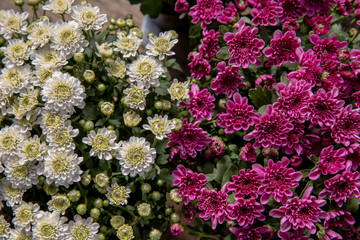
x,y
88,17
25,215
136,157
4,228
15,79
62,168
48,58
40,34
42,75
144,209
10,139
82,229
21,175
125,232
59,6
131,118
160,46
118,195
61,138
20,234
136,96
59,202
51,120
127,45
147,70
25,105
179,90
49,226
68,38
116,69
104,50
16,52
102,143
12,23
11,195
32,149
62,92
160,126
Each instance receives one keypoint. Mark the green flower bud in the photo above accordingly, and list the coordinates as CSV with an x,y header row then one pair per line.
x,y
128,16
101,179
51,189
98,203
149,112
33,2
131,119
160,216
101,190
175,217
173,34
144,209
106,203
177,123
166,105
111,27
81,209
168,211
136,32
89,125
42,180
129,23
79,57
155,234
112,20
103,229
121,22
222,103
125,232
82,122
95,213
19,2
174,195
221,131
160,182
74,195
107,108
89,76
158,105
117,221
86,179
145,188
155,195
101,236
352,32
101,87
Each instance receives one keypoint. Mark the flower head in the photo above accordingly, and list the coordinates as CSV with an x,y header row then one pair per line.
x,y
12,23
61,138
160,46
181,6
81,228
15,79
321,24
50,226
25,215
245,211
247,233
88,17
10,194
4,228
59,6
117,68
199,66
127,45
136,96
179,90
59,202
118,195
338,218
247,183
40,33
205,11
16,53
265,12
210,44
125,232
160,126
22,176
291,10
48,58
317,6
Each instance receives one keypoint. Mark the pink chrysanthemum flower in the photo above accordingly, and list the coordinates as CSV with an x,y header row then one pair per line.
x,y
210,45
205,11
266,80
300,213
245,211
290,24
189,183
296,235
176,229
189,139
244,46
270,130
356,97
323,107
342,186
346,127
217,145
327,49
294,138
295,161
248,153
181,6
265,12
292,9
293,98
317,6
188,212
282,48
242,4
249,233
213,204
200,103
330,162
277,180
338,219
353,154
228,80
199,67
345,7
228,15
239,115
247,183
321,24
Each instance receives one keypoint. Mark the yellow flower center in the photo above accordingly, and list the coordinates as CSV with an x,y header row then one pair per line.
x,y
62,91
60,164
80,232
47,230
67,35
101,142
161,45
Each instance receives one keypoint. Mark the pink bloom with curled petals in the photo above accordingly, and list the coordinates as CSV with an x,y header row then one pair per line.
x,y
205,11
317,6
210,44
244,46
213,205
176,229
296,235
338,219
190,139
277,180
327,49
242,4
300,213
181,6
321,24
266,80
217,145
228,80
239,115
251,233
247,183
245,211
265,12
199,67
291,9
330,162
248,153
343,186
270,130
353,154
200,103
345,7
228,15
189,183
188,212
290,24
282,48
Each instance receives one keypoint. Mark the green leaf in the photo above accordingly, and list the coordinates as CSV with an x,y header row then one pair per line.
x,y
160,147
162,89
262,110
90,112
151,174
223,29
100,122
221,167
260,96
233,147
284,78
223,53
232,170
100,37
195,31
151,7
115,122
162,159
210,177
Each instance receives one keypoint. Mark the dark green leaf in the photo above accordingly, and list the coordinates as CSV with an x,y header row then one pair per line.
x,y
160,147
100,122
162,159
195,31
100,37
221,167
151,7
115,122
90,112
223,29
232,170
233,147
260,96
223,53
151,175
283,78
210,177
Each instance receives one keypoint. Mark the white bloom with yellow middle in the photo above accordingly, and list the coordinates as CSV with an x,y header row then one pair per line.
x,y
88,17
59,202
160,46
16,53
61,138
84,229
59,6
32,149
11,138
62,168
136,96
68,38
102,143
50,226
62,93
146,69
40,33
15,79
50,120
25,215
41,76
10,194
25,105
136,157
20,234
21,175
4,228
48,58
160,126
118,195
179,90
12,23
117,68
127,45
